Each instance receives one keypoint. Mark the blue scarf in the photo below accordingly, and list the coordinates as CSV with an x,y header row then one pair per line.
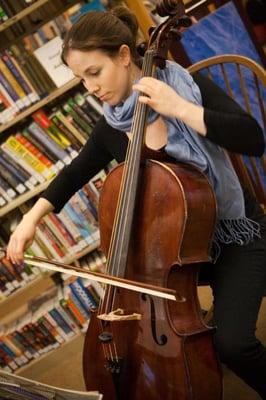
x,y
186,145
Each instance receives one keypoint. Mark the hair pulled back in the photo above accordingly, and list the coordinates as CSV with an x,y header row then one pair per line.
x,y
103,30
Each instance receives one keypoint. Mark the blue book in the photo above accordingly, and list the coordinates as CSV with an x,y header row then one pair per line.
x,y
89,205
77,220
77,298
78,207
81,293
85,313
12,166
41,136
60,320
16,73
11,170
7,349
87,292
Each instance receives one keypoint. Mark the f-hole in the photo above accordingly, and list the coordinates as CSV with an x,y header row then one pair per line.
x,y
162,340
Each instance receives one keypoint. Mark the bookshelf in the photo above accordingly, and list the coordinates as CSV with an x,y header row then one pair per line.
x,y
15,304
23,198
53,363
52,96
28,10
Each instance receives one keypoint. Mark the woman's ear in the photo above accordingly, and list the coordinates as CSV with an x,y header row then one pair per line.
x,y
125,55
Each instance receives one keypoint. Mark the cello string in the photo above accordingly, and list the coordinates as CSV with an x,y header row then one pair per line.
x,y
114,253
135,146
120,226
115,247
138,126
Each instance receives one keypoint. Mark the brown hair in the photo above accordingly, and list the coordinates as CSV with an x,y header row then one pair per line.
x,y
103,30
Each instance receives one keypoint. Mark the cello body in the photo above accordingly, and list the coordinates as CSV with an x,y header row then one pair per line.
x,y
168,353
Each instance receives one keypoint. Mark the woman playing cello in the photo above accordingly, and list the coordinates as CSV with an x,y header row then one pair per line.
x,y
192,120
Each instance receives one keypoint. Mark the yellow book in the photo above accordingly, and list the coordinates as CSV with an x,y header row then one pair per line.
x,y
25,154
14,83
33,96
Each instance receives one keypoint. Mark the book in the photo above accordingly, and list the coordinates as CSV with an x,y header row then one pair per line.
x,y
52,130
37,141
32,389
67,123
36,168
83,125
10,92
36,152
11,179
19,76
16,169
21,95
49,57
40,134
75,144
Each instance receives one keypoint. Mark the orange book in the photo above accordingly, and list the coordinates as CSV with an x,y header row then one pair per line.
x,y
74,309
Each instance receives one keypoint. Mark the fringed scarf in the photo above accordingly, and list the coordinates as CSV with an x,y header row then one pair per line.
x,y
186,145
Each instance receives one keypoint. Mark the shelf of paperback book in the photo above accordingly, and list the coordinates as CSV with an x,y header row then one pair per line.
x,y
27,10
54,357
58,92
16,303
23,198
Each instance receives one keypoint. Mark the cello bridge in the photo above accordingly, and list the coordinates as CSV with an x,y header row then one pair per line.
x,y
119,315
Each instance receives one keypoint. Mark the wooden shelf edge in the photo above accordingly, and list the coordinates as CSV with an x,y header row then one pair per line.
x,y
56,93
23,198
17,17
82,253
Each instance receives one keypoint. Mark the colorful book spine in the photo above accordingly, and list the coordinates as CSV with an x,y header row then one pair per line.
x,y
16,72
82,297
10,93
11,179
36,152
41,135
84,127
76,133
37,169
56,315
33,95
16,169
27,133
41,118
14,83
75,143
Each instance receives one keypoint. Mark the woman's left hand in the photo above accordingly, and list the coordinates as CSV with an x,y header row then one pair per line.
x,y
161,97
167,102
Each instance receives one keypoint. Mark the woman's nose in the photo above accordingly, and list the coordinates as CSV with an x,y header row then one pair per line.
x,y
92,88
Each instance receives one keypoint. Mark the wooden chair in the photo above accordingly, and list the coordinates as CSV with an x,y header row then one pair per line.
x,y
245,81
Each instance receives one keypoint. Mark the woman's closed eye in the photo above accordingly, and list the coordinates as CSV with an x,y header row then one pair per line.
x,y
93,73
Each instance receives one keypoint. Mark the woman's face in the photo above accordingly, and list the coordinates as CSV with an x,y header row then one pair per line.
x,y
107,78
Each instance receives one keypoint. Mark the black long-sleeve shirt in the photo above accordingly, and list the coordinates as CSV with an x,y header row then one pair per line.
x,y
227,125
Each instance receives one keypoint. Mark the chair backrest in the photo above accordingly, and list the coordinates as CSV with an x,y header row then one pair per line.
x,y
245,81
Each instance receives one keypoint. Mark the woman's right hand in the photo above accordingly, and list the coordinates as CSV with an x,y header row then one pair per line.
x,y
21,239
24,233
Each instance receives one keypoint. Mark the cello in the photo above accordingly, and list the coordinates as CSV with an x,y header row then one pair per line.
x,y
156,220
